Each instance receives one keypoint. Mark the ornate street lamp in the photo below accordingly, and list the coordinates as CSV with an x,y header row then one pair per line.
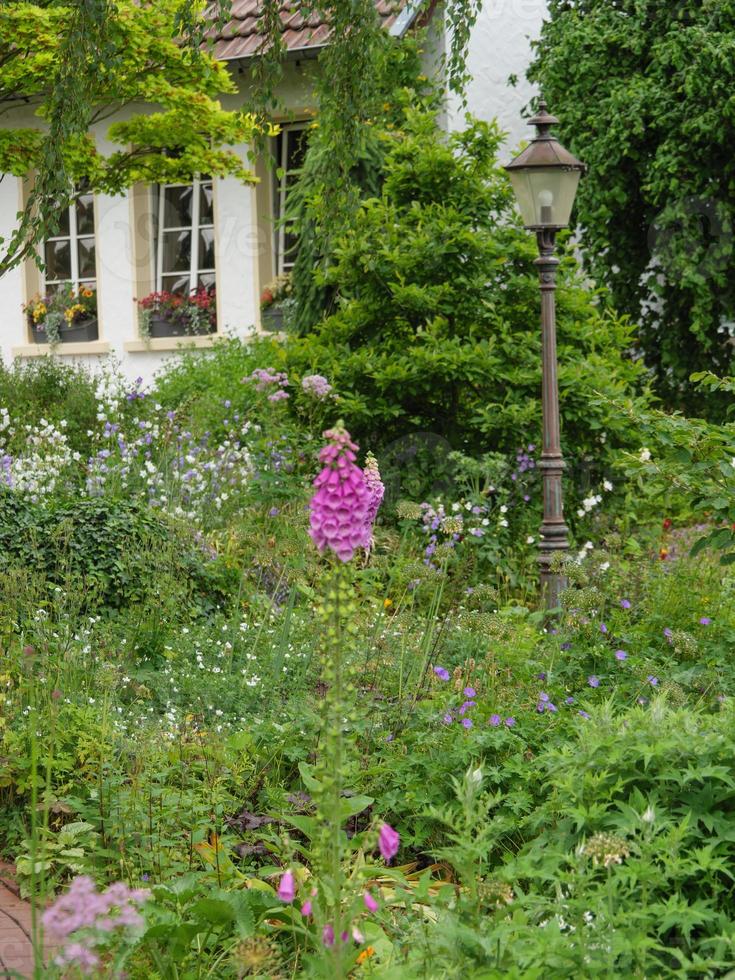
x,y
545,178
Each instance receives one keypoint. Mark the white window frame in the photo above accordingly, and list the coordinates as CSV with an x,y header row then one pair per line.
x,y
279,258
194,228
73,239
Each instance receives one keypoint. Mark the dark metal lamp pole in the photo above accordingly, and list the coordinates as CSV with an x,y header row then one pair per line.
x,y
545,178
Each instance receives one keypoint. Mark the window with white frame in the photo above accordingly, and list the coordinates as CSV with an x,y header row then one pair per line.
x,y
70,255
185,258
290,152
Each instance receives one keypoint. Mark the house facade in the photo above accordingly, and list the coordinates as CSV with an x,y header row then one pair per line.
x,y
220,233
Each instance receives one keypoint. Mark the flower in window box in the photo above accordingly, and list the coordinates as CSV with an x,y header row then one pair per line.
x,y
276,304
68,314
165,314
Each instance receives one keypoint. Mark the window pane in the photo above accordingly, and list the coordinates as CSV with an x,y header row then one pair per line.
x,y
206,280
87,266
206,205
296,148
206,248
58,260
175,284
177,207
176,251
85,215
63,228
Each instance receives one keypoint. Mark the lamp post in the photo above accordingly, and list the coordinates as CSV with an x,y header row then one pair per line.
x,y
545,178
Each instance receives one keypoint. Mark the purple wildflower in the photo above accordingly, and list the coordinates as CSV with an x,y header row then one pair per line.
x,y
442,673
467,723
447,719
466,706
653,681
569,700
510,722
370,904
625,603
287,887
566,646
593,681
273,512
469,692
306,908
603,628
494,720
583,714
621,655
388,841
328,935
705,621
543,696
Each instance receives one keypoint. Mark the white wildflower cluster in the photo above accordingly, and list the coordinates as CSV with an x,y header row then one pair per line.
x,y
110,392
39,467
593,500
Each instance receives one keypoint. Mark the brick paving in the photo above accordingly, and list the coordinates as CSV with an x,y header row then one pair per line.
x,y
16,950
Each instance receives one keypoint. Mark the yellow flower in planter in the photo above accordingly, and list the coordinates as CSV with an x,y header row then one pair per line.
x,y
39,312
72,311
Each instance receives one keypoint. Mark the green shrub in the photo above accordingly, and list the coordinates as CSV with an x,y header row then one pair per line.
x,y
115,551
197,383
46,388
438,329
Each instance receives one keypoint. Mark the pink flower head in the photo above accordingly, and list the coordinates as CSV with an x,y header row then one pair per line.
x,y
370,904
388,841
78,955
265,378
375,487
287,887
328,935
340,507
316,386
82,906
306,908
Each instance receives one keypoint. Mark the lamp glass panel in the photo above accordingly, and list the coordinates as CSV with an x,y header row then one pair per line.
x,y
545,195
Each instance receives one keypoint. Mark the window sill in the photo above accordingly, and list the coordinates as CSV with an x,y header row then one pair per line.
x,y
171,343
68,350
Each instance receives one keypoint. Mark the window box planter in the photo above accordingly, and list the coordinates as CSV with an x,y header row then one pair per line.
x,y
77,333
273,318
159,326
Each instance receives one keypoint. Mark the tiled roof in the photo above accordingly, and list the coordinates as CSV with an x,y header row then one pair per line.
x,y
241,38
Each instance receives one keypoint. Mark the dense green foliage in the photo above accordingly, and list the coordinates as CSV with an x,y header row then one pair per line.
x,y
563,797
437,325
643,91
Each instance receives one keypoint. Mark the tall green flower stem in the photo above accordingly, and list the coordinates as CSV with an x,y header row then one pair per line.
x,y
337,613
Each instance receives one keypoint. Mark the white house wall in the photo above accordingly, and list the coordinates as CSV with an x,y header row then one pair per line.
x,y
500,47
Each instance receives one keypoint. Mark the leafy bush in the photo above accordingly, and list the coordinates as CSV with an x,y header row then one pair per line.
x,y
640,87
117,552
46,388
198,382
438,326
